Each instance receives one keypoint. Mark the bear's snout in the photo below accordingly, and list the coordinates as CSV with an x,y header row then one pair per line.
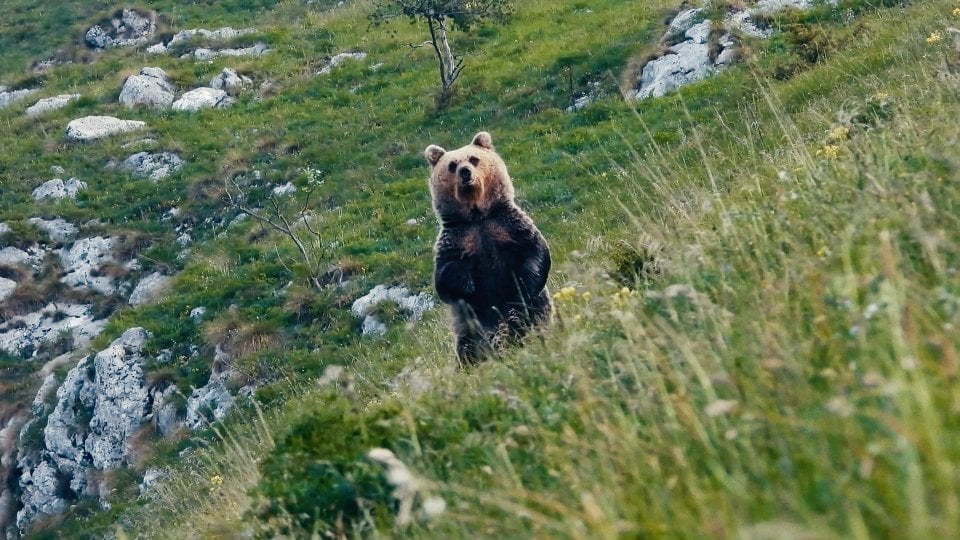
x,y
465,174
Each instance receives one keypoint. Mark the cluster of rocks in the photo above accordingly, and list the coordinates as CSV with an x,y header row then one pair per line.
x,y
338,59
152,165
204,53
412,305
152,88
7,97
695,48
127,28
57,189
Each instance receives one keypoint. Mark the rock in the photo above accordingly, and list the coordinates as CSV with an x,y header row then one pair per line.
x,y
127,28
164,410
58,189
772,6
11,256
208,404
286,189
56,169
90,128
23,335
7,287
184,240
4,229
683,21
155,166
152,88
197,313
586,98
414,305
202,98
258,49
685,62
48,386
58,230
39,493
339,59
150,289
8,97
228,79
51,104
150,477
187,35
82,262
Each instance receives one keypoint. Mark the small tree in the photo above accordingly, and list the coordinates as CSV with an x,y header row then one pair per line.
x,y
441,17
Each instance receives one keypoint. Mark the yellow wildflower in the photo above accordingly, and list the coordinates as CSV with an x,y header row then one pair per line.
x,y
830,151
934,37
216,480
585,296
880,96
839,133
956,12
565,294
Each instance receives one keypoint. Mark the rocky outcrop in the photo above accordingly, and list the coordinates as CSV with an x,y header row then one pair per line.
x,y
22,336
127,28
7,287
99,406
151,88
57,230
8,97
219,34
90,128
202,98
150,289
339,59
57,189
208,404
11,256
229,80
51,104
413,305
155,166
257,49
82,262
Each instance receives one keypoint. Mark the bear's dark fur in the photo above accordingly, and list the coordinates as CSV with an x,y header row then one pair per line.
x,y
491,262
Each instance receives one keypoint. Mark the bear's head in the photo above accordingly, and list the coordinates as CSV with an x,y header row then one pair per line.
x,y
468,181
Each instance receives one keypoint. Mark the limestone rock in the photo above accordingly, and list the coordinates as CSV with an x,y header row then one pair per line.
x,y
8,97
90,128
51,104
39,493
339,59
414,305
202,98
197,314
155,166
58,189
152,88
11,256
4,229
208,404
286,189
258,49
150,289
228,80
150,477
7,287
685,62
83,260
127,28
58,229
21,336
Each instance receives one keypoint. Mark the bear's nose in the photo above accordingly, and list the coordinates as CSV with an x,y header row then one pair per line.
x,y
465,174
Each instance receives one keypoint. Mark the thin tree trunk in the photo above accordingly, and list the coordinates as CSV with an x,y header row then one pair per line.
x,y
449,63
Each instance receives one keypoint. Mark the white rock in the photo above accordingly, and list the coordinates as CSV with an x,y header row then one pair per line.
x,y
11,256
683,21
90,128
197,313
40,488
7,287
150,477
155,166
129,29
202,98
27,332
219,34
48,386
372,326
9,97
150,289
684,63
152,87
772,6
228,79
4,229
56,169
258,49
58,189
340,59
184,240
286,189
208,404
58,230
84,259
51,104
414,305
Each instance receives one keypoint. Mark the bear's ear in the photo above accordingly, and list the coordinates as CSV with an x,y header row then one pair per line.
x,y
483,140
433,153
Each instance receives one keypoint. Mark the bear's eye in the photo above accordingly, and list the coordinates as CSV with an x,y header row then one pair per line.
x,y
452,167
474,161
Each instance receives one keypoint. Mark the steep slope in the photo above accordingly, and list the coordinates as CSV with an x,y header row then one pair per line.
x,y
757,288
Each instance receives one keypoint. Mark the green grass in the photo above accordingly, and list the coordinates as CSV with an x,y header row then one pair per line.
x,y
789,370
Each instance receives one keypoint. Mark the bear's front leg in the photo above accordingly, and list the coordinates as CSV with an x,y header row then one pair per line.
x,y
453,280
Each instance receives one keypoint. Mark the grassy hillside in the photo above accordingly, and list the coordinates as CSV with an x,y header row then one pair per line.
x,y
756,278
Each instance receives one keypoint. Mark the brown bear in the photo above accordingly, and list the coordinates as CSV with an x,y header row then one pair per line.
x,y
491,263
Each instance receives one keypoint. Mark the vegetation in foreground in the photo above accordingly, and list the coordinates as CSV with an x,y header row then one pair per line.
x,y
757,312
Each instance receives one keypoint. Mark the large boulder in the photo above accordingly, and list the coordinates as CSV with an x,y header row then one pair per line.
x,y
155,166
82,262
413,305
58,229
228,80
51,104
57,189
202,98
128,27
152,88
90,128
12,256
7,286
150,288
